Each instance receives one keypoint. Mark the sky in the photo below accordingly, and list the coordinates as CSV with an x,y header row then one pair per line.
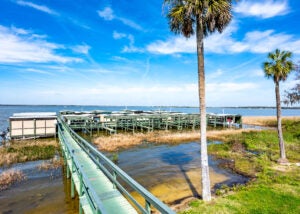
x,y
113,52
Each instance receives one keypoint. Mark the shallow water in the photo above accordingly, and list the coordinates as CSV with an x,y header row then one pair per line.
x,y
170,172
42,192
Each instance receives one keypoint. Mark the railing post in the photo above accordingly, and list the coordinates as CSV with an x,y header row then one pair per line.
x,y
72,181
148,207
68,168
68,171
98,211
72,188
80,208
115,179
80,184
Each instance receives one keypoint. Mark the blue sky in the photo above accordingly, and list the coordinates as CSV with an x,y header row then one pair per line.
x,y
92,52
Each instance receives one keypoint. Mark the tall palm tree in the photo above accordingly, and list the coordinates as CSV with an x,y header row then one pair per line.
x,y
278,67
202,17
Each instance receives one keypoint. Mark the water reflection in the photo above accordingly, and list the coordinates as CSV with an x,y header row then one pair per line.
x,y
180,159
42,192
172,172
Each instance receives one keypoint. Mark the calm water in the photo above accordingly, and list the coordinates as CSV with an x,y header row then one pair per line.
x,y
173,169
170,172
6,110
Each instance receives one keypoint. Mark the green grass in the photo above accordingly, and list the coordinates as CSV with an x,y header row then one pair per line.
x,y
273,188
34,152
22,151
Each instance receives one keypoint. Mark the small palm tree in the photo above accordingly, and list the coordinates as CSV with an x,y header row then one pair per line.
x,y
278,67
202,17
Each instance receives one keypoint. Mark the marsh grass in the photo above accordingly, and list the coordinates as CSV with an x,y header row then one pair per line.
x,y
273,188
9,177
28,150
51,164
126,140
267,120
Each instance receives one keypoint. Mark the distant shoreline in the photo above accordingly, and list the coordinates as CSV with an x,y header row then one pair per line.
x,y
129,106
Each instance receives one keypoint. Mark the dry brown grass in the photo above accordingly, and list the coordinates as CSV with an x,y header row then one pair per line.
x,y
51,164
7,158
119,141
265,120
9,177
113,142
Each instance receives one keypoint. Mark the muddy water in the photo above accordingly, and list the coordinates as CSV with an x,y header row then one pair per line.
x,y
170,172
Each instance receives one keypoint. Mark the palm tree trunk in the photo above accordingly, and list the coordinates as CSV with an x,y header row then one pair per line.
x,y
279,127
206,195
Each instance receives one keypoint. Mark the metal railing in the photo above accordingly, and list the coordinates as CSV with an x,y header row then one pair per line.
x,y
114,174
84,183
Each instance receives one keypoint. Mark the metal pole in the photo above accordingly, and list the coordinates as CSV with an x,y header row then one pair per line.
x,y
148,207
72,182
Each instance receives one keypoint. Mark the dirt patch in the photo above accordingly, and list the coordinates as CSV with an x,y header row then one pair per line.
x,y
286,167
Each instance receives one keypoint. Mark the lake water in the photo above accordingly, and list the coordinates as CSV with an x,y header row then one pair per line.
x,y
8,110
171,172
173,168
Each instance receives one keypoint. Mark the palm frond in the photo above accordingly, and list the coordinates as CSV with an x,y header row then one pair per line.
x,y
279,65
215,15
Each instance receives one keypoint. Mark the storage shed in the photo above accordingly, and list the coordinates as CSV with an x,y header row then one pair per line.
x,y
33,125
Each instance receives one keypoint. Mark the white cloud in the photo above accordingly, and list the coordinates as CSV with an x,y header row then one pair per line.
x,y
130,23
230,87
254,42
28,48
132,49
33,70
108,14
215,75
127,48
257,73
266,41
173,45
117,35
37,7
19,31
83,49
263,9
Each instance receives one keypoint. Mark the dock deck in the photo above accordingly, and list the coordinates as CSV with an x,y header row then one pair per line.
x,y
99,182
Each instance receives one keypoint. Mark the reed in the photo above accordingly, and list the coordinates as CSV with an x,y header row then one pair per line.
x,y
51,164
9,177
266,120
120,141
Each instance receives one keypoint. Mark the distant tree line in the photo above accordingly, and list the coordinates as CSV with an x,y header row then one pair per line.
x,y
293,95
